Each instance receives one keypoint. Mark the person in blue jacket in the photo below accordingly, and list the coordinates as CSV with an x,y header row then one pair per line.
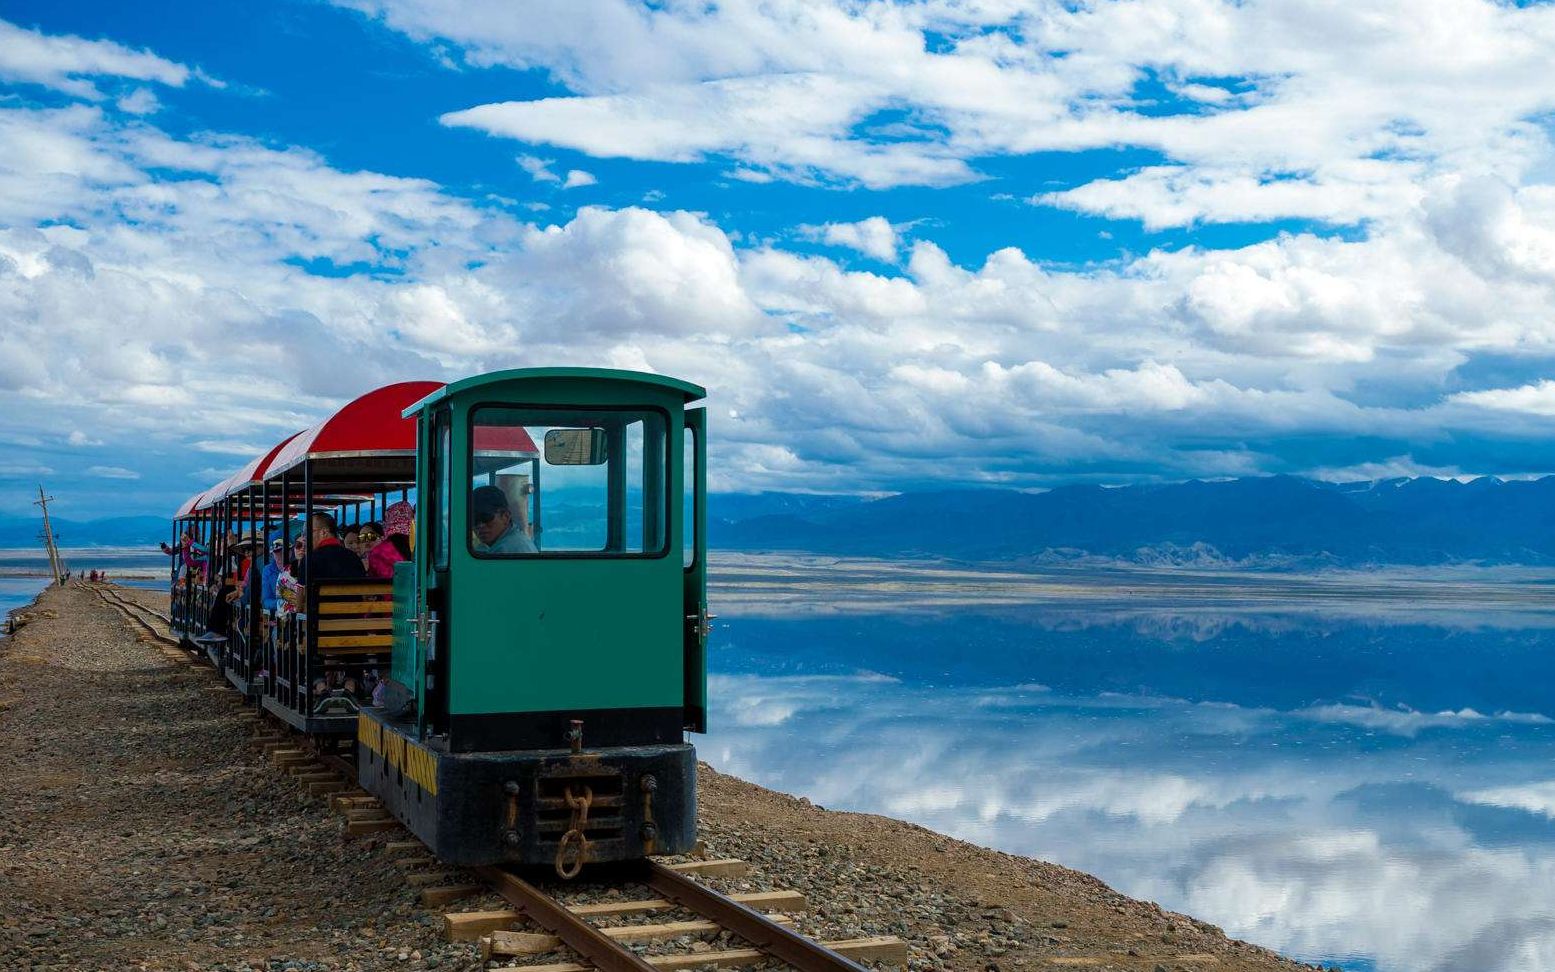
x,y
269,595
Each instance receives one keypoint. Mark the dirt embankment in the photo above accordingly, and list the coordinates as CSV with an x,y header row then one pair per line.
x,y
137,830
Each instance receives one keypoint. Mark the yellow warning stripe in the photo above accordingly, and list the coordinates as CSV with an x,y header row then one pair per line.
x,y
409,758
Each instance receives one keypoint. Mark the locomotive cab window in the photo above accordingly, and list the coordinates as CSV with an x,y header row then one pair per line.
x,y
567,483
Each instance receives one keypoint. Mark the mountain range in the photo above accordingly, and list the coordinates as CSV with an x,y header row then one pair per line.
x,y
1265,521
1252,522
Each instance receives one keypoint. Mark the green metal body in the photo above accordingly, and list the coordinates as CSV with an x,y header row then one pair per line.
x,y
551,634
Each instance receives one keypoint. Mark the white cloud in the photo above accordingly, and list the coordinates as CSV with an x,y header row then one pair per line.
x,y
1182,195
65,62
226,447
539,169
141,101
112,472
1287,109
874,237
1534,399
23,470
1186,362
1393,467
1408,722
795,125
79,438
620,271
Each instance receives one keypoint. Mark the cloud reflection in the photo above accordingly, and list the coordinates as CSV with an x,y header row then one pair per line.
x,y
1333,832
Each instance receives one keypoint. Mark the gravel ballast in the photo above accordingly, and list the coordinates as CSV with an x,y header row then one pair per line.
x,y
139,830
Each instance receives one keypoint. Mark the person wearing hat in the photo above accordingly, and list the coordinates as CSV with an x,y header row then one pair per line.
x,y
495,531
229,589
399,526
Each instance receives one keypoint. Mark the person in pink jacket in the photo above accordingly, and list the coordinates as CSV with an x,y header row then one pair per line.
x,y
382,555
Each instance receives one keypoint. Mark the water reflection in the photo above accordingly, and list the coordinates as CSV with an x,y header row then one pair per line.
x,y
1367,785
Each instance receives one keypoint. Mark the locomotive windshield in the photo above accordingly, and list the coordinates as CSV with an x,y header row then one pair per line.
x,y
567,482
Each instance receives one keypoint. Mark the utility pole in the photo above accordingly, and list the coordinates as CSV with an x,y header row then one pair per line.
x,y
48,535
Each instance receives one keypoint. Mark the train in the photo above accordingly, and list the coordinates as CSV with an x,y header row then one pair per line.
x,y
536,648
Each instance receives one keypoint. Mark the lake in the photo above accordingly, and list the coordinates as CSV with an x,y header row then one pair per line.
x,y
18,592
1355,769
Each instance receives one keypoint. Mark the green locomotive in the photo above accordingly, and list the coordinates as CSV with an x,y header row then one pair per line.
x,y
551,628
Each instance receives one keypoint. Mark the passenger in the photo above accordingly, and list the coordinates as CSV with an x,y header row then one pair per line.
x,y
269,592
196,555
243,574
382,554
228,588
495,530
286,586
350,538
329,559
399,518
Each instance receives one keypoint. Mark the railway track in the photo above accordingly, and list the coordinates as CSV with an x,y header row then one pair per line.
x,y
659,917
757,938
142,617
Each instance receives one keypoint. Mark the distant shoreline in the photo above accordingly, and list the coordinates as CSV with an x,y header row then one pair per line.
x,y
140,573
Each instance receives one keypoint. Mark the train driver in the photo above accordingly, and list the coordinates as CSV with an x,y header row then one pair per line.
x,y
495,530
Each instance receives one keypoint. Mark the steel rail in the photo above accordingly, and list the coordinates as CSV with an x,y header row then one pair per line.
x,y
576,933
120,600
135,613
763,933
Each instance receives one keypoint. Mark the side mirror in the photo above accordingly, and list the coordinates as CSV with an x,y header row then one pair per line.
x,y
575,447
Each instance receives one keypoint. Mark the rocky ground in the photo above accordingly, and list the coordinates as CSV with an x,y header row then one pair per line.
x,y
138,831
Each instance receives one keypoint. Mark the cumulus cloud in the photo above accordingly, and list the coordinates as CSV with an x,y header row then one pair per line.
x,y
141,101
873,237
1181,362
1022,371
1535,399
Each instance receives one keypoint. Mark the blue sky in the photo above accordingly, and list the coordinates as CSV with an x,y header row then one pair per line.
x,y
903,243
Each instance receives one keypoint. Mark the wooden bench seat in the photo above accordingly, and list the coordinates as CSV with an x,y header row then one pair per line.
x,y
356,619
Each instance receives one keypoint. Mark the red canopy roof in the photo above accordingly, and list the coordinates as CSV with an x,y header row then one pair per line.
x,y
188,506
252,472
258,468
370,425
